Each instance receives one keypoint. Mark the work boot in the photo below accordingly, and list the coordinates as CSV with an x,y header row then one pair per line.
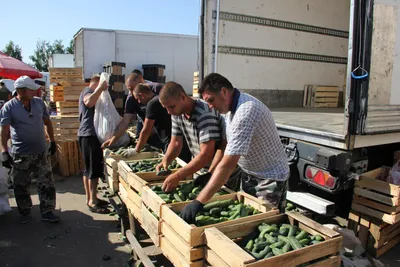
x,y
50,217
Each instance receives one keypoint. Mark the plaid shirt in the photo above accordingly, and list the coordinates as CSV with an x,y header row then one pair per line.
x,y
204,124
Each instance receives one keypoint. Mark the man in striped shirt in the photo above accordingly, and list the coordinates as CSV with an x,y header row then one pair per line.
x,y
202,127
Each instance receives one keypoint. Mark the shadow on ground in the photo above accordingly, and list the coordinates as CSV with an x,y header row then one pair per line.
x,y
80,239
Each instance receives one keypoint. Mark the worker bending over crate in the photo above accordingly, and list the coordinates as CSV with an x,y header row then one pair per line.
x,y
254,159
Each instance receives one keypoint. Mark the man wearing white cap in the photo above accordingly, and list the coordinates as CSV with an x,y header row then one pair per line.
x,y
25,116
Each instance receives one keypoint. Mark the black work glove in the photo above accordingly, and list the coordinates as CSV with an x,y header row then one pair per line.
x,y
6,160
188,214
202,179
52,148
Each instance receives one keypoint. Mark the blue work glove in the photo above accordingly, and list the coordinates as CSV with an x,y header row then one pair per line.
x,y
6,160
52,148
202,179
188,214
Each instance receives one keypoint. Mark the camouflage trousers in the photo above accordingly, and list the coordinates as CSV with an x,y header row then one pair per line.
x,y
24,169
267,189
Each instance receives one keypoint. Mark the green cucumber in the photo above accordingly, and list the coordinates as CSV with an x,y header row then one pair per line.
x,y
250,245
318,238
295,243
292,230
305,242
286,248
303,234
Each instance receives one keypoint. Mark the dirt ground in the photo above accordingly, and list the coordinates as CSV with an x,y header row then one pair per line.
x,y
81,238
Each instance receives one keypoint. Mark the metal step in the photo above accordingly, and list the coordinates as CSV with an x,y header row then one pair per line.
x,y
312,202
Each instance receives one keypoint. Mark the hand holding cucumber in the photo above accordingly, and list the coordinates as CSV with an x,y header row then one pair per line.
x,y
171,183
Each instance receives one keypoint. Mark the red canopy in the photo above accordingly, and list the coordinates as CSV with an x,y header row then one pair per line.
x,y
11,68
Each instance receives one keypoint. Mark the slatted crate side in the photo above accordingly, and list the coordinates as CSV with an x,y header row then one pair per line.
x,y
376,236
67,111
151,225
130,200
175,256
220,241
140,156
375,197
69,158
62,74
192,234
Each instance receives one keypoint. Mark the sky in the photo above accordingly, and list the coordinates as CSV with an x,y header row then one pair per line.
x,y
26,21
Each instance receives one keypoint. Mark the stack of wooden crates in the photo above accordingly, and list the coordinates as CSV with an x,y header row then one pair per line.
x,y
116,83
196,84
66,86
375,214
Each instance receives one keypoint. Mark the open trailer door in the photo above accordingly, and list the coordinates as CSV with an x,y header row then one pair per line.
x,y
374,94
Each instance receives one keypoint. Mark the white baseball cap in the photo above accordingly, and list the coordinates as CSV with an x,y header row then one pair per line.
x,y
26,82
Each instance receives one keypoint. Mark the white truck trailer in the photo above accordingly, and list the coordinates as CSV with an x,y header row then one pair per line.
x,y
94,47
271,49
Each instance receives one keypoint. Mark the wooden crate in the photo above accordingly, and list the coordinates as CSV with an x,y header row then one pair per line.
x,y
67,108
65,74
192,235
321,96
154,202
376,236
65,127
130,199
69,158
223,251
138,180
111,166
67,91
375,197
151,209
170,251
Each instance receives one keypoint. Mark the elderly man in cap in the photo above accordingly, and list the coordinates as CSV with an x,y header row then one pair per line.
x,y
25,116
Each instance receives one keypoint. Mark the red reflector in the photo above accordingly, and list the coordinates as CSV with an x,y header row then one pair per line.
x,y
330,182
319,178
309,173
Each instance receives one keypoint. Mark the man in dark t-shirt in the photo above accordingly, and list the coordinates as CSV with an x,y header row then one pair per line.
x,y
90,145
134,109
156,117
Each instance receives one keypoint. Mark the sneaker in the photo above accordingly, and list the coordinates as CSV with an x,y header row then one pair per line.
x,y
25,218
50,217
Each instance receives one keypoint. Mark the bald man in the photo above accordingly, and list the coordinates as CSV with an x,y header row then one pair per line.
x,y
134,109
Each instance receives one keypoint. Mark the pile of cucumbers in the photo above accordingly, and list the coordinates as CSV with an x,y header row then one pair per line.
x,y
146,148
184,192
149,165
222,211
273,240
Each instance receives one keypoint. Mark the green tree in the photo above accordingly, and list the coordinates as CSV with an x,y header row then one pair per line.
x,y
13,50
44,50
70,48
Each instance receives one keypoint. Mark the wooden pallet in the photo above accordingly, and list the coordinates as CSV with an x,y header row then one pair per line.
x,y
67,92
67,108
223,251
375,197
65,127
376,236
69,157
193,235
65,74
321,96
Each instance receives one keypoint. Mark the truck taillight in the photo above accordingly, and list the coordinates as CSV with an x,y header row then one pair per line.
x,y
320,177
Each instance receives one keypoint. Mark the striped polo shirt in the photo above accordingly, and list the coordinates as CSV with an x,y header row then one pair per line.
x,y
204,124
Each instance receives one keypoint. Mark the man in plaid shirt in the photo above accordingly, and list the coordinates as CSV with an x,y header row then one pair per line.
x,y
254,160
201,126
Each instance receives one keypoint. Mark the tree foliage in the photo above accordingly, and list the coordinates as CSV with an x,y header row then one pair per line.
x,y
13,50
44,50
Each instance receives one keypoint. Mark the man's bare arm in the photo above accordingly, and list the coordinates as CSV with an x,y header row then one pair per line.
x,y
49,129
219,177
219,154
5,134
